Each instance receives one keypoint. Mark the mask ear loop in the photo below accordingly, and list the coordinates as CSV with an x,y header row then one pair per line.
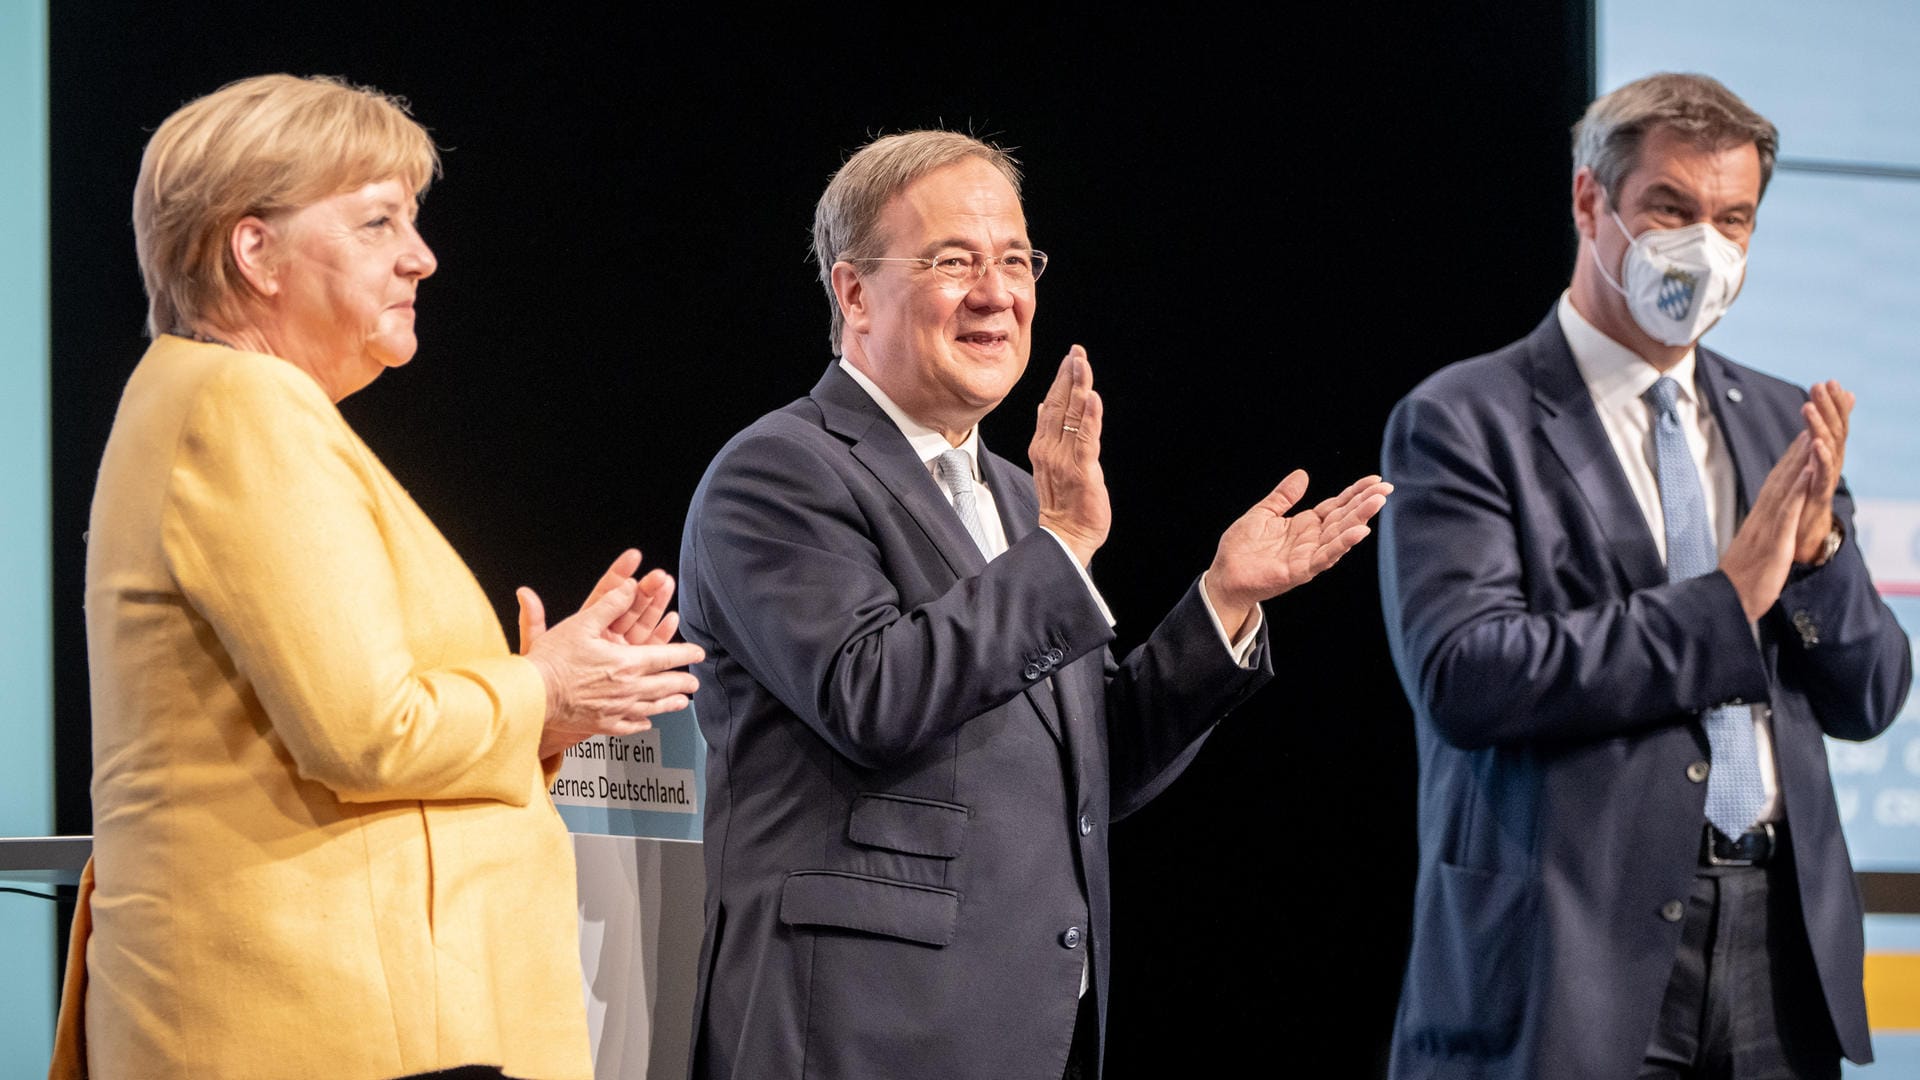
x,y
1594,249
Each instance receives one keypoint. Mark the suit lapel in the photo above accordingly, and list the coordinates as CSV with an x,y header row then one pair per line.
x,y
1719,385
877,444
1726,392
1012,494
1569,423
1019,515
848,411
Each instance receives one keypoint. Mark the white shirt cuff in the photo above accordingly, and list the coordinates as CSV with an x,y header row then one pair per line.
x,y
1241,651
1088,578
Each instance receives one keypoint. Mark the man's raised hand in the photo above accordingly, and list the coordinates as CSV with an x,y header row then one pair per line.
x,y
1269,551
1065,453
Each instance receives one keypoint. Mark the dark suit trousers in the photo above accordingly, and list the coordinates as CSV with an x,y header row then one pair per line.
x,y
1744,1000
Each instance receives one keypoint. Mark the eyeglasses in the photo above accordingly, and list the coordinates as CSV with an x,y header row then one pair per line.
x,y
1019,268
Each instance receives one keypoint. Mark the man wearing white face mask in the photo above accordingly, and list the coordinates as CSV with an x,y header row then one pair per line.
x,y
1625,600
1679,281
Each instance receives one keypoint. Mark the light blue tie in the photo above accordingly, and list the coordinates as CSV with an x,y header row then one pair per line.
x,y
1734,794
956,471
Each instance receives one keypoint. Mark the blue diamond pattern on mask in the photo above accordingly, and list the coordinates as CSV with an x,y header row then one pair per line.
x,y
1734,792
956,471
1676,294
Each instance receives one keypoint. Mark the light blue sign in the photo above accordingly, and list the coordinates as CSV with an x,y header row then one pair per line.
x,y
652,784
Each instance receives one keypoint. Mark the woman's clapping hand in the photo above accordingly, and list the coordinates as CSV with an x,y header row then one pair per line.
x,y
613,664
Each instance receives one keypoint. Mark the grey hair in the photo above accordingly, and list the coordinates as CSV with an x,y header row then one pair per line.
x,y
1697,108
846,220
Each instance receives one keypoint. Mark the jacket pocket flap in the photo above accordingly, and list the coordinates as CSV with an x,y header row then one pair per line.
x,y
912,826
878,906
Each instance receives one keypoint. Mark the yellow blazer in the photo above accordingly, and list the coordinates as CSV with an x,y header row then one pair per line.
x,y
323,845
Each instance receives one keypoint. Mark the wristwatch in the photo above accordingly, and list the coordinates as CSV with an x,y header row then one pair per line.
x,y
1831,546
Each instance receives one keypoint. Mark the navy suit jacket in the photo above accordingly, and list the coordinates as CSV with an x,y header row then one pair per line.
x,y
1557,679
914,758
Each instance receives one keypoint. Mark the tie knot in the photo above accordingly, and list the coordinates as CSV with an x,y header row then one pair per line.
x,y
1663,395
956,471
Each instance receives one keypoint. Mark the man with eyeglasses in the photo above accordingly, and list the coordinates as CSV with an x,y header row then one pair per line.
x,y
1625,597
917,736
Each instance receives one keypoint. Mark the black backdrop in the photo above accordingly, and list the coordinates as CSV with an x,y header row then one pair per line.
x,y
1264,230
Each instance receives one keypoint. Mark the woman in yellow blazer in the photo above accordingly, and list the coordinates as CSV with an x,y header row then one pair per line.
x,y
323,843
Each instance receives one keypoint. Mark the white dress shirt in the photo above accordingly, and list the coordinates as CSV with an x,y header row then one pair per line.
x,y
1616,377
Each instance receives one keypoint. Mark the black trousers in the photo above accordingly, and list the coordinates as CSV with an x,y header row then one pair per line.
x,y
1744,1001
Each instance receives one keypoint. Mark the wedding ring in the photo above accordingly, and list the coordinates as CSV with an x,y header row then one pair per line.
x,y
1068,428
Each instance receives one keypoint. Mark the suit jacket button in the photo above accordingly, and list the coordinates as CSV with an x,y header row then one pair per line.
x,y
1030,672
1086,825
1054,655
1697,771
1070,938
1673,911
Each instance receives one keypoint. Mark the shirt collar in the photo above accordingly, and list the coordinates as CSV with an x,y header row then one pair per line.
x,y
1615,375
926,442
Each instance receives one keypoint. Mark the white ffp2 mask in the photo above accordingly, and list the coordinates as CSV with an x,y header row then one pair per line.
x,y
1678,281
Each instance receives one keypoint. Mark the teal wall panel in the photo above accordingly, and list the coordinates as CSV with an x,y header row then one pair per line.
x,y
26,737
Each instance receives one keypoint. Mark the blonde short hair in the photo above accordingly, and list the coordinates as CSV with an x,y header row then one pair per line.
x,y
846,220
255,148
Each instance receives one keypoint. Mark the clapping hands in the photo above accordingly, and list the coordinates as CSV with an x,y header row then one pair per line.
x,y
610,666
